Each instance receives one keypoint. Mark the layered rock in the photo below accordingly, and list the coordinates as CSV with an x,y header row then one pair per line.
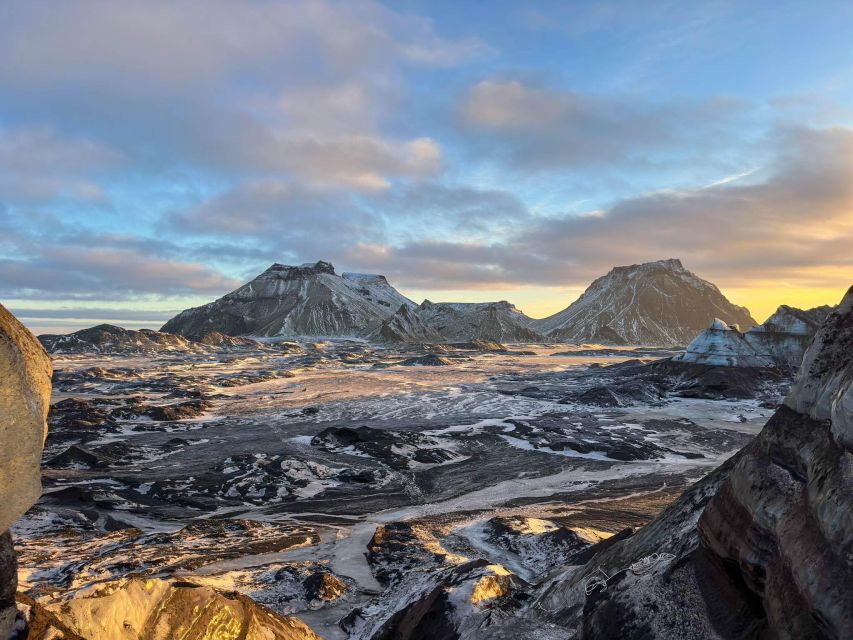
x,y
780,341
308,300
25,372
759,548
656,303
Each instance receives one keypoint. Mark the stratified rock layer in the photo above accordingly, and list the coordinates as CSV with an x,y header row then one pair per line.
x,y
656,303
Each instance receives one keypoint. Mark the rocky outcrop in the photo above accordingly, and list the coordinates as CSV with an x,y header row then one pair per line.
x,y
760,548
308,300
156,609
656,303
780,342
25,372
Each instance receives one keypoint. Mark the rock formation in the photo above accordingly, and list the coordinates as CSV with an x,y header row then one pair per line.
x,y
25,372
656,303
760,548
780,342
308,300
156,609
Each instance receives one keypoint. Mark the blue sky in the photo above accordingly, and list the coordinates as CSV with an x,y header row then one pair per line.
x,y
153,155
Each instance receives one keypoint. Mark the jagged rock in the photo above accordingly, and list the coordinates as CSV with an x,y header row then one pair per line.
x,y
780,342
656,303
37,623
308,300
443,605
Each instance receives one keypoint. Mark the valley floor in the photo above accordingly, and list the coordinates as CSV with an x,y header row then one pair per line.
x,y
316,479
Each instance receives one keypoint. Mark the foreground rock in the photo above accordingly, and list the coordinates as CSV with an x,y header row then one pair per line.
x,y
656,303
25,372
157,609
308,300
760,548
780,342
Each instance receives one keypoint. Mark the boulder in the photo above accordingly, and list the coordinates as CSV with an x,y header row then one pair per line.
x,y
25,372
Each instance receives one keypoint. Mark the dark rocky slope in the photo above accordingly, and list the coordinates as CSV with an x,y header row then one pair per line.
x,y
656,303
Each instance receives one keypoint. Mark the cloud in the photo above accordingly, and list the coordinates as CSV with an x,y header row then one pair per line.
x,y
37,163
298,89
793,228
80,274
538,128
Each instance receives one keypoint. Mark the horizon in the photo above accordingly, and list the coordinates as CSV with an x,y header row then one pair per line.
x,y
154,156
78,323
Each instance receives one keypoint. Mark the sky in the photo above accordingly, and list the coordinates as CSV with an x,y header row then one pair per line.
x,y
155,154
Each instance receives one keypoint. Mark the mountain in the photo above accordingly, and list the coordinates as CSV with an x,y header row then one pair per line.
x,y
780,342
656,303
406,326
459,322
760,548
308,300
107,338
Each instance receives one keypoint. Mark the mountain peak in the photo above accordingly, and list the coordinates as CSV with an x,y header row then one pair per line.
x,y
654,303
302,270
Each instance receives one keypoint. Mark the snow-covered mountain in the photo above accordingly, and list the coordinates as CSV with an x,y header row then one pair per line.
x,y
308,300
656,303
780,342
459,322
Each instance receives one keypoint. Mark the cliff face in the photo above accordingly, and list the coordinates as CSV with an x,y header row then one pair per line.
x,y
783,522
762,547
25,372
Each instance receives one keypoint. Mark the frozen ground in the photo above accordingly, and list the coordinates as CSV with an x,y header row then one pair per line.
x,y
269,472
